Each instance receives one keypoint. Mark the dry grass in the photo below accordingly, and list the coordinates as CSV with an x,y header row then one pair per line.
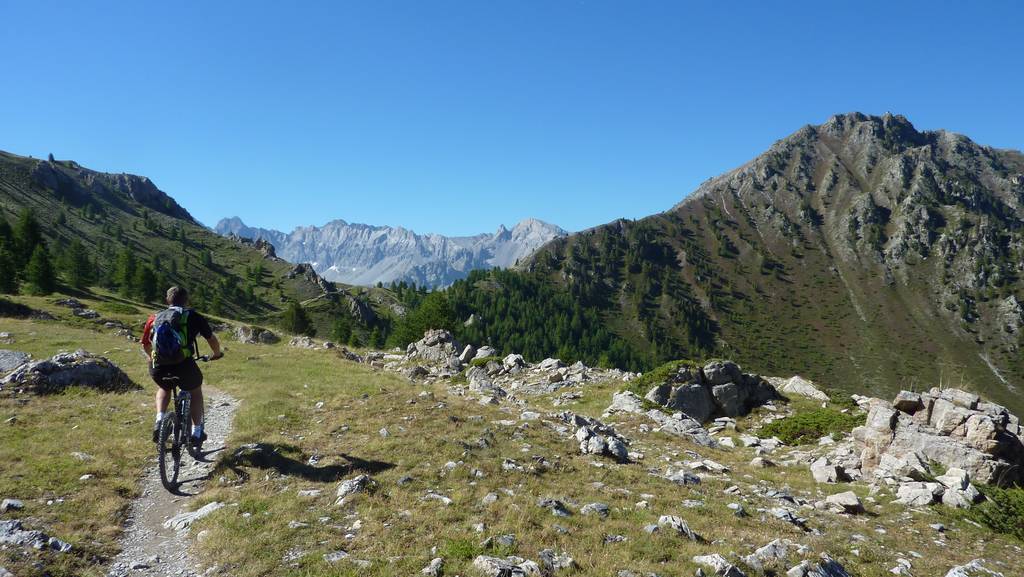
x,y
393,527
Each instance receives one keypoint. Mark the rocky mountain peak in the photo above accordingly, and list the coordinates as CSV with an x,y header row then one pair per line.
x,y
368,254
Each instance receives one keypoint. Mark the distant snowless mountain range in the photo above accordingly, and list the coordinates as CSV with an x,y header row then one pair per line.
x,y
364,254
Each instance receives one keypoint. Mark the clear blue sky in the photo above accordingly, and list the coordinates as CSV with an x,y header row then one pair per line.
x,y
453,117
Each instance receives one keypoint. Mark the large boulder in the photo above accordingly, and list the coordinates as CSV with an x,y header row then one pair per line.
x,y
65,370
437,346
695,400
718,389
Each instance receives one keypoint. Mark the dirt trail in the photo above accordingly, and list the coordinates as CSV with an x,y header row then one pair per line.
x,y
147,547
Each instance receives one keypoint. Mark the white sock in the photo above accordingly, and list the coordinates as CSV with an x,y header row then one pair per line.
x,y
160,416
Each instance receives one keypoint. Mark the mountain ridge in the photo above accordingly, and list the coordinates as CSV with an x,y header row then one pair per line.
x,y
861,252
365,254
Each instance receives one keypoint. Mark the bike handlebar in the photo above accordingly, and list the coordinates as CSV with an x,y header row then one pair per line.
x,y
206,358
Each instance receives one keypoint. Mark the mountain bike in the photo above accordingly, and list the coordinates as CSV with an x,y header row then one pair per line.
x,y
175,432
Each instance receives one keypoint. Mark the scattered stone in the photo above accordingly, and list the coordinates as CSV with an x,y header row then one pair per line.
x,y
738,510
679,526
761,463
13,533
508,567
846,502
824,471
719,565
973,569
183,521
599,509
302,342
827,567
11,505
435,568
351,487
552,562
625,402
786,515
773,554
335,556
556,507
800,386
918,493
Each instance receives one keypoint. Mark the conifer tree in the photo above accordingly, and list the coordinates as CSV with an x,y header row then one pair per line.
x,y
296,320
8,278
27,236
76,266
39,273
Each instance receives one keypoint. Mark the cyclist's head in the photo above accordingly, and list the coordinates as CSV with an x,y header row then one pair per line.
x,y
177,296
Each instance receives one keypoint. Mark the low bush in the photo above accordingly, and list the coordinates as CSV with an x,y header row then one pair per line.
x,y
1002,511
482,361
657,376
809,426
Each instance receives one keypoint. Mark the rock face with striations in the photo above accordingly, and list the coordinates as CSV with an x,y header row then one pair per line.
x,y
719,388
954,428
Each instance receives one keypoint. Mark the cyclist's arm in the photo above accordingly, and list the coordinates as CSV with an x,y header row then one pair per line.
x,y
146,345
214,347
204,329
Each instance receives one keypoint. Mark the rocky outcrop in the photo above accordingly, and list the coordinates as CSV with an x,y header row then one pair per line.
x,y
717,389
10,360
951,427
306,270
65,370
435,346
596,438
255,335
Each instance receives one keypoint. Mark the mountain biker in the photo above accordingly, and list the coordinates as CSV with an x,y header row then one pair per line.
x,y
176,365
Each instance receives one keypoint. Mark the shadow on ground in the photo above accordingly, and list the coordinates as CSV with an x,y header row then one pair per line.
x,y
285,460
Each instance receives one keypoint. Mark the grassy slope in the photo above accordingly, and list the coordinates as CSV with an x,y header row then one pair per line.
x,y
279,388
154,244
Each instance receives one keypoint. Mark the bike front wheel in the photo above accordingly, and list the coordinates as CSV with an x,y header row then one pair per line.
x,y
169,452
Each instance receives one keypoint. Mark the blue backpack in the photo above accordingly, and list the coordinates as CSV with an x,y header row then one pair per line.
x,y
169,337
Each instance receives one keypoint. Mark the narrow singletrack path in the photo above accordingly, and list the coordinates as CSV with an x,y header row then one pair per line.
x,y
149,548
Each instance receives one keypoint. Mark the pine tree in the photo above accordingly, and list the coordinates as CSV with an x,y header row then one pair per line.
x,y
296,321
77,268
124,273
342,329
27,237
376,338
39,273
8,278
144,285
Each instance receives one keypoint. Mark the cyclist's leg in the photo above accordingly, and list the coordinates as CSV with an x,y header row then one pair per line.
x,y
162,399
197,406
192,381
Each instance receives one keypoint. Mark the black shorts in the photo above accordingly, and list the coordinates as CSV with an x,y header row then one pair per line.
x,y
184,375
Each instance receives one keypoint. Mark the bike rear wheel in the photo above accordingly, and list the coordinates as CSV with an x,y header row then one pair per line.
x,y
169,452
185,410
